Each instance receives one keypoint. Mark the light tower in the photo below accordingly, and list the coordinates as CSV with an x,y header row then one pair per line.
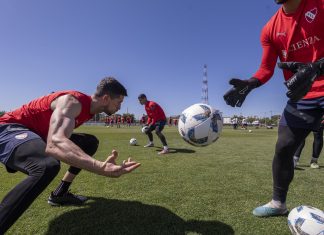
x,y
204,96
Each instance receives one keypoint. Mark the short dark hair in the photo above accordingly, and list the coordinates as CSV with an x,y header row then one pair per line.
x,y
141,96
110,86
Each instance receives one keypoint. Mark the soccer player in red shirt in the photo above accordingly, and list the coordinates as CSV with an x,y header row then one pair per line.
x,y
118,121
156,121
129,121
37,136
295,35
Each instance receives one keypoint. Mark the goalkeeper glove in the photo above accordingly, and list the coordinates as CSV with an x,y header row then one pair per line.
x,y
241,88
304,76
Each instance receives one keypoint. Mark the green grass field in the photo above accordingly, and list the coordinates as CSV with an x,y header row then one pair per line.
x,y
210,190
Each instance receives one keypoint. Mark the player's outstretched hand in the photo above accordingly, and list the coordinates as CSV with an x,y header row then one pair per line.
x,y
111,169
241,88
304,76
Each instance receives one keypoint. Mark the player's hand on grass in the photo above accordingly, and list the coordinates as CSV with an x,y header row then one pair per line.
x,y
111,169
241,88
304,76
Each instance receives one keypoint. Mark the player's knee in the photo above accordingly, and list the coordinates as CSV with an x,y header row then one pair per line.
x,y
286,146
93,144
158,132
47,168
318,136
52,168
88,143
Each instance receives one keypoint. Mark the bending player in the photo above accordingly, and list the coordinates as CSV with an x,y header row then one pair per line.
x,y
35,137
156,121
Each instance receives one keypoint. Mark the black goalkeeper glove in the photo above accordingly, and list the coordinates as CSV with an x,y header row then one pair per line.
x,y
241,88
304,76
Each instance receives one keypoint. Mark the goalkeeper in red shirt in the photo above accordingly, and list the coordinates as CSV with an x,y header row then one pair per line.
x,y
156,121
295,35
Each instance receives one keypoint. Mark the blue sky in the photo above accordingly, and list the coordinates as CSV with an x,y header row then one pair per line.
x,y
156,47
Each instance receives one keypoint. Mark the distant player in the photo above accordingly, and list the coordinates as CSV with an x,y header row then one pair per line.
x,y
37,136
317,148
295,35
118,121
129,121
156,121
123,120
170,121
234,123
244,124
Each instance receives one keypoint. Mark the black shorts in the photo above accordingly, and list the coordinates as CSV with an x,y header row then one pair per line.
x,y
11,136
304,114
159,124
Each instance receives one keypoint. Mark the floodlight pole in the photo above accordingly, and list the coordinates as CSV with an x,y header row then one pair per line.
x,y
204,96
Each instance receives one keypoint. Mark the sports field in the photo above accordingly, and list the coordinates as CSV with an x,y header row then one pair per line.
x,y
210,190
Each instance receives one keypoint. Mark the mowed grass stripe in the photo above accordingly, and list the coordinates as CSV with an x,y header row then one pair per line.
x,y
209,190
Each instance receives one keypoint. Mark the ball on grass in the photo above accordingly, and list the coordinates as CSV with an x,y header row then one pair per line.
x,y
133,141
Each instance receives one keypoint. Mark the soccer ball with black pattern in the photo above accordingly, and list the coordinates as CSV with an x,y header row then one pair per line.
x,y
133,141
200,125
306,220
144,129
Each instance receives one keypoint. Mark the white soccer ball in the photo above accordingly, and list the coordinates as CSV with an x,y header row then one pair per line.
x,y
133,141
200,124
250,131
144,129
306,220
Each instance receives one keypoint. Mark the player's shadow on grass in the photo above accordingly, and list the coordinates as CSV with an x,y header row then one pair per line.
x,y
178,150
104,216
298,168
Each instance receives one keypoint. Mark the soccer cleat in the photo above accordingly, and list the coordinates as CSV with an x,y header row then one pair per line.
x,y
164,151
314,165
149,145
66,199
266,211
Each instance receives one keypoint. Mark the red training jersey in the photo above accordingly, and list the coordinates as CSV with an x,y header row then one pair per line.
x,y
294,37
154,112
36,115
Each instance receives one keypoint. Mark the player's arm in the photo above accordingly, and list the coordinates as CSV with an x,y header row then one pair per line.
x,y
150,118
148,122
66,109
153,121
153,113
241,88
